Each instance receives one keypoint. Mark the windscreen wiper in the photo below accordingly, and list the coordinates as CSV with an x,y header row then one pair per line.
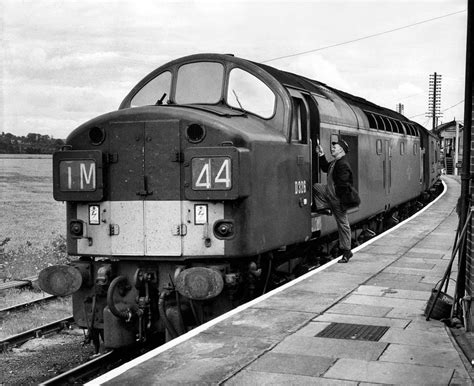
x,y
160,101
238,101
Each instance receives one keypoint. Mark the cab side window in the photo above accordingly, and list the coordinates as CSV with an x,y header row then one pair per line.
x,y
299,123
155,92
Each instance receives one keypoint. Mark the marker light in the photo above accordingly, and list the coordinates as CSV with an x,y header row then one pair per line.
x,y
76,229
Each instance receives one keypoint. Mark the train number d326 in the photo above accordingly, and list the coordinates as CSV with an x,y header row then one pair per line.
x,y
211,173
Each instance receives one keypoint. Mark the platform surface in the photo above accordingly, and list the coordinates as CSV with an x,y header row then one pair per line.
x,y
273,341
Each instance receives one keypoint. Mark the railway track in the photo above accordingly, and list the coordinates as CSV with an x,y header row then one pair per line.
x,y
36,332
99,365
86,370
25,305
18,339
18,283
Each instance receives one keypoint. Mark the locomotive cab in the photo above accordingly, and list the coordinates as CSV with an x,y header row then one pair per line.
x,y
177,156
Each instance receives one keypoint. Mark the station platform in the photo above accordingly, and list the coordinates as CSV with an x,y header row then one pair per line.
x,y
374,306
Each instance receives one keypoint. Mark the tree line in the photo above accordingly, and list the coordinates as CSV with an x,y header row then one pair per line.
x,y
32,143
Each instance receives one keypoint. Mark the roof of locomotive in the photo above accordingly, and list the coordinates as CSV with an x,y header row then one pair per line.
x,y
315,86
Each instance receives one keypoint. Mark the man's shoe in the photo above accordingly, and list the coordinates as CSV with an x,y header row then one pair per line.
x,y
325,212
345,257
348,254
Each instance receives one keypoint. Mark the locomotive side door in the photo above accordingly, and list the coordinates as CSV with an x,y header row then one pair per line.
x,y
307,118
301,148
314,135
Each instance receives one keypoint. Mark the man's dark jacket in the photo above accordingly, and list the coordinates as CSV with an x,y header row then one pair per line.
x,y
341,175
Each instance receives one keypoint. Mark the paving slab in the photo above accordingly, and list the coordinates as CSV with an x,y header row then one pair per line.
x,y
415,271
439,246
422,324
255,378
401,278
359,309
207,361
312,329
432,280
437,271
416,338
427,251
419,355
421,264
292,364
331,348
389,373
416,254
302,301
392,292
385,301
258,322
331,282
461,377
393,282
358,319
365,267
405,313
392,250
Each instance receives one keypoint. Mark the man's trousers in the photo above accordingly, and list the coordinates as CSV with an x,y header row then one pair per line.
x,y
323,200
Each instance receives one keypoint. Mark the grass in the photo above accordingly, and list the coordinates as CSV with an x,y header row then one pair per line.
x,y
13,296
29,214
32,228
28,259
33,317
32,222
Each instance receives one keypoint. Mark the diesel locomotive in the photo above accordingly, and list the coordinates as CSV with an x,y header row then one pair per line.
x,y
195,195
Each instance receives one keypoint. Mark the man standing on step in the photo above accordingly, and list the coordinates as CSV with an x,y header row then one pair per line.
x,y
328,197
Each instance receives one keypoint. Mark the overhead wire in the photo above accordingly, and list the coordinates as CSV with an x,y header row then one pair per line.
x,y
412,95
450,107
371,36
446,109
362,38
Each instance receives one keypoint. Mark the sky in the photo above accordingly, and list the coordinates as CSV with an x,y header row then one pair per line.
x,y
66,61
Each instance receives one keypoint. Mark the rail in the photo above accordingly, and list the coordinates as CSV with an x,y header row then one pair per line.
x,y
18,283
23,337
18,307
85,370
99,365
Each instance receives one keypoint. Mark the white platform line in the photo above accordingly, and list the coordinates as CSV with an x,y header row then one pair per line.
x,y
182,338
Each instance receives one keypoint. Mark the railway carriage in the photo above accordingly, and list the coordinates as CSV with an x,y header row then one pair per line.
x,y
184,202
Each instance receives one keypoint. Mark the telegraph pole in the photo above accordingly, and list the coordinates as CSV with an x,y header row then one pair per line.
x,y
400,108
434,99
